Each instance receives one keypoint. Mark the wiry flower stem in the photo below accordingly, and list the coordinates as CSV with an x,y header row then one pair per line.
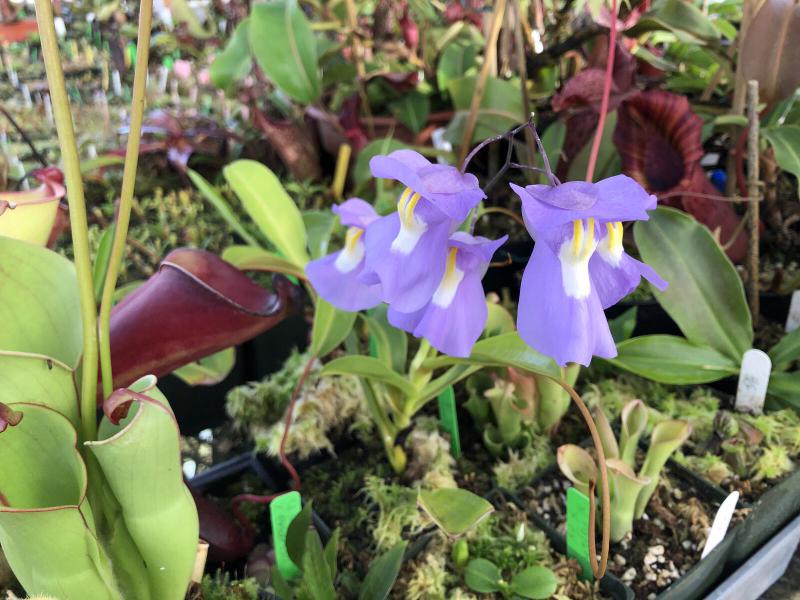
x,y
601,122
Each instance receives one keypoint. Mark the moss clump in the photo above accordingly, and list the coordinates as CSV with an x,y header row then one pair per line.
x,y
220,587
521,467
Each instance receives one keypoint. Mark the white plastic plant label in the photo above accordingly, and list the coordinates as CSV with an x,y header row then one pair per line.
x,y
753,380
793,318
721,522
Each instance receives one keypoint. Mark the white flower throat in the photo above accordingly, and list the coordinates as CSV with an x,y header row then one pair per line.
x,y
352,253
448,286
411,226
575,252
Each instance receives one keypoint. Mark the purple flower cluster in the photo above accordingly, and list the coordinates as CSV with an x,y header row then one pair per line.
x,y
429,273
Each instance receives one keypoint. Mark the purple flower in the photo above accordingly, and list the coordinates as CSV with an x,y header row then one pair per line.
x,y
337,277
407,250
456,313
578,266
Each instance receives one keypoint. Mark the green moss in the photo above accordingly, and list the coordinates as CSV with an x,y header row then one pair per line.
x,y
220,587
773,463
521,467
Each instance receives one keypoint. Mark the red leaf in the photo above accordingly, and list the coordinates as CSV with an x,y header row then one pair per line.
x,y
195,305
659,139
227,540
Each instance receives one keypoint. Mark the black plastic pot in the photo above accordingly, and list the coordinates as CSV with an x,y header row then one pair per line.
x,y
697,581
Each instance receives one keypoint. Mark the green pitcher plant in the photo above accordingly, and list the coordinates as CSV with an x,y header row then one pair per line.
x,y
630,491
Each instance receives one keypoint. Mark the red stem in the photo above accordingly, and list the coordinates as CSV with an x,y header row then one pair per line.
x,y
288,423
598,136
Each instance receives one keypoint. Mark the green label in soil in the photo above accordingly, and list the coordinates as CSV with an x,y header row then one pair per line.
x,y
578,531
282,511
449,419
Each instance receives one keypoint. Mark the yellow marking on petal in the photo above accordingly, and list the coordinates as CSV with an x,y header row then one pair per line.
x,y
407,215
352,237
588,246
352,253
577,236
451,262
451,279
401,203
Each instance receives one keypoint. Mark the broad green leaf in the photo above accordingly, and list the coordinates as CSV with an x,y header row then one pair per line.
x,y
608,160
269,205
142,467
622,326
209,370
673,359
535,582
296,535
705,296
281,587
457,59
234,62
252,258
285,48
101,262
52,549
785,388
482,576
785,141
39,380
683,19
40,311
388,343
331,326
500,110
382,574
361,172
331,550
319,226
455,511
499,320
783,353
369,368
506,350
216,199
412,110
553,142
316,573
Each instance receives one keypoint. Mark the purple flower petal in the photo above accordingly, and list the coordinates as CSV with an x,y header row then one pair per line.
x,y
355,212
408,280
613,282
558,325
344,290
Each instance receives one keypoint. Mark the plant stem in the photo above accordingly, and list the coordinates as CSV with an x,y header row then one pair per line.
x,y
77,214
489,57
753,191
522,71
126,194
601,122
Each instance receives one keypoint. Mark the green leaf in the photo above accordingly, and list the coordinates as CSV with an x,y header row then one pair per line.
x,y
500,110
296,534
482,576
46,528
331,550
785,141
725,120
608,160
252,258
369,368
622,326
457,59
683,19
783,353
382,574
361,172
785,388
705,296
553,142
499,320
535,582
40,311
101,261
269,205
183,14
316,573
455,511
412,110
216,199
281,587
209,370
331,326
319,226
234,62
390,344
141,464
39,380
285,48
673,359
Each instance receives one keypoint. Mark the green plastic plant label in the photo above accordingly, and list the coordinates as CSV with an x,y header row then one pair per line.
x,y
578,531
449,420
282,511
793,318
753,380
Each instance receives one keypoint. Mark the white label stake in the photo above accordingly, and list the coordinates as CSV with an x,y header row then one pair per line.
x,y
721,522
753,380
793,318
